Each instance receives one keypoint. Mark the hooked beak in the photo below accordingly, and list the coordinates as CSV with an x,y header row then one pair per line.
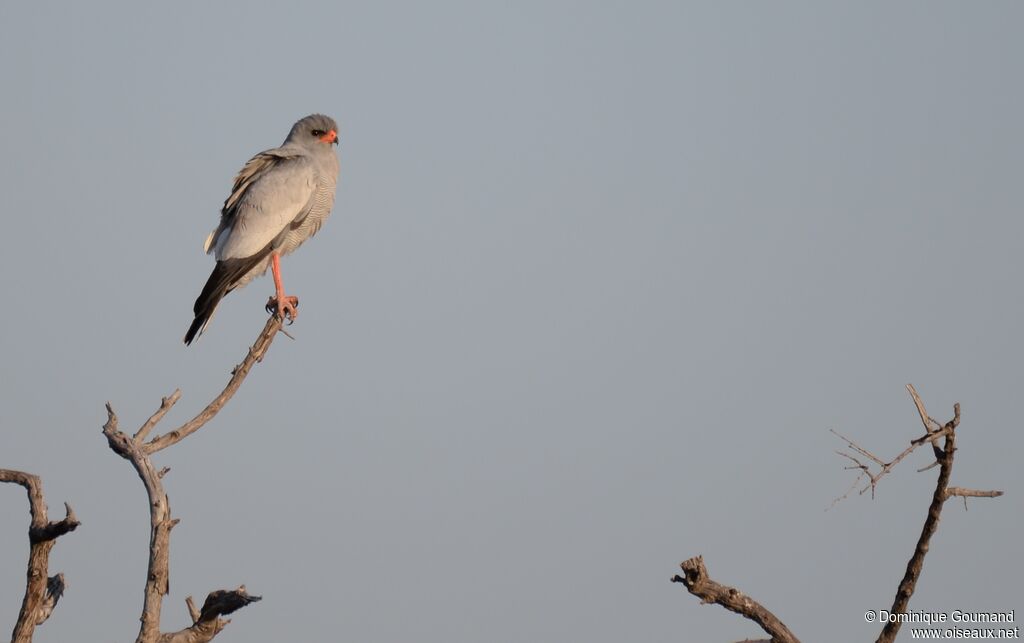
x,y
330,137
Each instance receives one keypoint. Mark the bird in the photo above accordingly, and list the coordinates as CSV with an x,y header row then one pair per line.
x,y
280,198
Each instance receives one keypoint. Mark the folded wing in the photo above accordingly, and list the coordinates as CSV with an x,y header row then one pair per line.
x,y
272,194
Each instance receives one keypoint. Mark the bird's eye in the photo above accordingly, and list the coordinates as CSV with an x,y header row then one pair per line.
x,y
317,133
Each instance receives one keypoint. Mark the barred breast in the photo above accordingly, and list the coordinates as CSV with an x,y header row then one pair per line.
x,y
323,201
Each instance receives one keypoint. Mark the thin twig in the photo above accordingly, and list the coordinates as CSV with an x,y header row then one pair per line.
x,y
256,353
859,449
864,471
886,467
165,406
930,425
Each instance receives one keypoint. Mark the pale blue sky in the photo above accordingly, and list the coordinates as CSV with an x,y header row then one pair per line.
x,y
599,280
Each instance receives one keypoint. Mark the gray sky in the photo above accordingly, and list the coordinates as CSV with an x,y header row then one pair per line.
x,y
599,280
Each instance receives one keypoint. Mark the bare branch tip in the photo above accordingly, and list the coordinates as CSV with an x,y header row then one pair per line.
x,y
193,611
930,466
111,423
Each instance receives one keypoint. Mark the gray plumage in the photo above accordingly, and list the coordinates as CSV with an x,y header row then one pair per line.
x,y
280,198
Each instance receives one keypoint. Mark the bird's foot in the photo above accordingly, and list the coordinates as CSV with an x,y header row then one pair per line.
x,y
285,307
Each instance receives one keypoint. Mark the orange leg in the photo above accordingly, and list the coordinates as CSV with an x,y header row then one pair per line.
x,y
286,307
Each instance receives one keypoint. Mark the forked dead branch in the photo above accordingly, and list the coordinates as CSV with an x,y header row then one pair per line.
x,y
942,438
41,591
207,622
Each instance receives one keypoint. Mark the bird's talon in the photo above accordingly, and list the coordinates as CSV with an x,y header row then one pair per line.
x,y
286,308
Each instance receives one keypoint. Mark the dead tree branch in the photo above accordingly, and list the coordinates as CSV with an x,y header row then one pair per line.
x,y
41,592
884,467
873,468
971,493
206,623
256,353
933,433
137,451
695,578
944,457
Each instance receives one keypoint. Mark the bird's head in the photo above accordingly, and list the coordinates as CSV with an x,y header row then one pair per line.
x,y
313,131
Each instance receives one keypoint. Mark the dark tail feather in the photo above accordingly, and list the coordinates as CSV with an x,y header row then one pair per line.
x,y
222,281
216,287
199,324
190,334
